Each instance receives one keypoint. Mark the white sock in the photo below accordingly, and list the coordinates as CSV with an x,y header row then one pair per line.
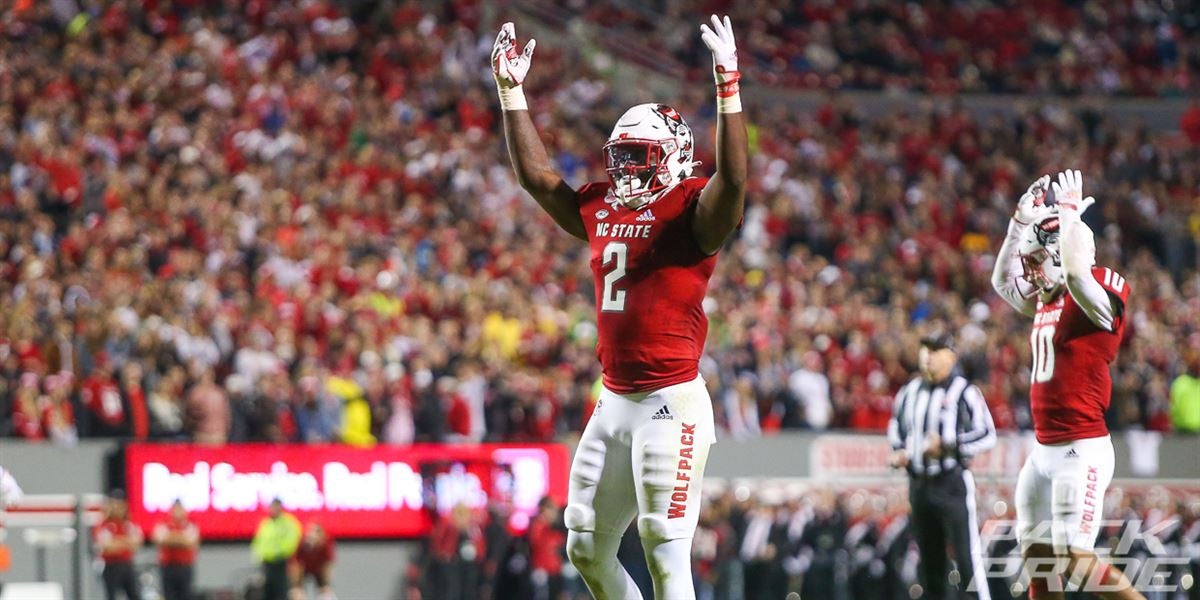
x,y
594,555
670,563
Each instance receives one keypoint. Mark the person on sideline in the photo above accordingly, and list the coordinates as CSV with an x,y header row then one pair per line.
x,y
177,539
275,543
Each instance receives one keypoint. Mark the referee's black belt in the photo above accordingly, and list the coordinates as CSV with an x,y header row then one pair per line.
x,y
954,472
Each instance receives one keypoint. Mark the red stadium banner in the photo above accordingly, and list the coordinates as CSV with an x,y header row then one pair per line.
x,y
846,455
380,492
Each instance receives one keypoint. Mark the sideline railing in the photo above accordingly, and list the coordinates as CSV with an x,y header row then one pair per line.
x,y
41,525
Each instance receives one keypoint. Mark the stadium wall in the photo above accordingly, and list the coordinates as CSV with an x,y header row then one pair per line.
x,y
48,469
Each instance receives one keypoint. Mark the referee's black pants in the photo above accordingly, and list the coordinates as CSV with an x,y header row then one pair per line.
x,y
943,513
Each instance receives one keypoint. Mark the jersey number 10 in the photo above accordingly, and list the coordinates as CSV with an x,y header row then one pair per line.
x,y
1042,342
614,299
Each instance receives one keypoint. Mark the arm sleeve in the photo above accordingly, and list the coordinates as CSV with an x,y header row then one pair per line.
x,y
895,431
1007,275
978,433
1099,292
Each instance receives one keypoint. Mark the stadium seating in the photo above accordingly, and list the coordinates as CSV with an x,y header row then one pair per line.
x,y
220,229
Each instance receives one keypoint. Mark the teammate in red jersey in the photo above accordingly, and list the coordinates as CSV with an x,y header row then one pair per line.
x,y
1046,269
654,232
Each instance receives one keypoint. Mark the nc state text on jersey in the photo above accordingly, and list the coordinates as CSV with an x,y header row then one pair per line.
x,y
622,230
1048,317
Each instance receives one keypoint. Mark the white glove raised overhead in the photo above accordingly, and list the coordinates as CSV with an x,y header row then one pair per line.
x,y
510,68
1077,242
719,39
1032,205
1068,190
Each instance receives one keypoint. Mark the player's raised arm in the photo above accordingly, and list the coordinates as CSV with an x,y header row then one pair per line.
x,y
1007,274
723,199
535,173
1078,247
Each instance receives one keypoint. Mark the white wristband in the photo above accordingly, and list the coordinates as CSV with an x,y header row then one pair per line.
x,y
729,104
512,98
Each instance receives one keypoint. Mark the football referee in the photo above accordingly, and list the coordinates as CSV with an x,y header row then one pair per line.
x,y
939,421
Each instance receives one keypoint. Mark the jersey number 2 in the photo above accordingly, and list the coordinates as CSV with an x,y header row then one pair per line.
x,y
614,299
1042,342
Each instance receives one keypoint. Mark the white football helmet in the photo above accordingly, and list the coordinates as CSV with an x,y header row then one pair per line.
x,y
1041,254
650,150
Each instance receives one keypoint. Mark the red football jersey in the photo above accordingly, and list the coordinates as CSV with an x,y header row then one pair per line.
x,y
650,278
1070,385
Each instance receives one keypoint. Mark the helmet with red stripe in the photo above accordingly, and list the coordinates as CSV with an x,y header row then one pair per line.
x,y
1041,254
650,150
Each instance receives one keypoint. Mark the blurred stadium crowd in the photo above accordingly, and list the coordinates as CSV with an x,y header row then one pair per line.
x,y
1019,47
851,544
298,223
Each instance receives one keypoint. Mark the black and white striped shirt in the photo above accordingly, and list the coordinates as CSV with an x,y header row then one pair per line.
x,y
952,408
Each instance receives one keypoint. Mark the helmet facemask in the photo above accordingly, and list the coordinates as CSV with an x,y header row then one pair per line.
x,y
649,151
638,169
1041,259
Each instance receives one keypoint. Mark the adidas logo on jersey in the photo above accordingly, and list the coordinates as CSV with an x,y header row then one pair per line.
x,y
646,216
662,413
1072,453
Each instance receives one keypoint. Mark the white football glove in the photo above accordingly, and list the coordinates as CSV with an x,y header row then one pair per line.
x,y
510,68
1077,242
1032,205
719,39
1068,190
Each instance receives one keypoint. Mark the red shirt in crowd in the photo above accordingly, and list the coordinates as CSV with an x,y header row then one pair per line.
x,y
170,554
102,397
544,543
138,410
26,416
314,556
110,529
1189,123
447,538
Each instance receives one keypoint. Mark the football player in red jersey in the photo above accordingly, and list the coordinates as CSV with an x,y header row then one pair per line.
x,y
1046,269
654,231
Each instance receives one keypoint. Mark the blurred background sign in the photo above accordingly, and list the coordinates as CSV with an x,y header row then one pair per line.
x,y
380,492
